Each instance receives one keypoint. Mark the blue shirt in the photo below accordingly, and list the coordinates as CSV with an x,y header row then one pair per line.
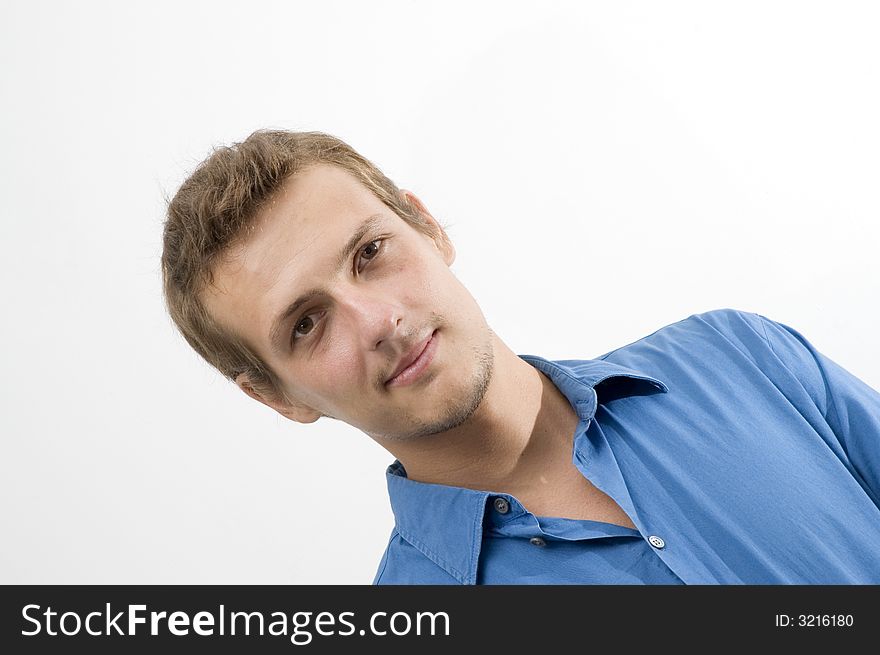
x,y
742,455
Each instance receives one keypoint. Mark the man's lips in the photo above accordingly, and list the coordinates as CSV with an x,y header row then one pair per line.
x,y
414,363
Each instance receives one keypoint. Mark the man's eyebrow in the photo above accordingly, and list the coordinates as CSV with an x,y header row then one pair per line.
x,y
368,225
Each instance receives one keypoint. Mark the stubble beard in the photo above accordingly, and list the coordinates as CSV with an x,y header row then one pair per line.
x,y
456,413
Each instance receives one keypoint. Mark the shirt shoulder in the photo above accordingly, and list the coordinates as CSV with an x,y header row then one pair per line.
x,y
781,352
709,337
403,564
690,355
723,338
740,328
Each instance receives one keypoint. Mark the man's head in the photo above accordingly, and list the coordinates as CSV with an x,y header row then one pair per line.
x,y
285,217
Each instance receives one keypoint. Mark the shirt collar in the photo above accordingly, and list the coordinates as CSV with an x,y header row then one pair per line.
x,y
445,523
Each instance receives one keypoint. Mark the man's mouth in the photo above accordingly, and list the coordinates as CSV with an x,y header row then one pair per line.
x,y
414,363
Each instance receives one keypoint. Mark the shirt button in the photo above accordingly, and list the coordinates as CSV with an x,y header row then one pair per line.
x,y
537,541
656,541
501,506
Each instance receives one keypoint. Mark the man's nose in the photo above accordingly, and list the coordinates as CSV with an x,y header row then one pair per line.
x,y
376,318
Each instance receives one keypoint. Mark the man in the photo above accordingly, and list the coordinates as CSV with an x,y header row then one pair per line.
x,y
720,449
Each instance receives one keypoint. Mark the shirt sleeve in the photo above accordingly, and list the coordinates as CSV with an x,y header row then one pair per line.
x,y
851,407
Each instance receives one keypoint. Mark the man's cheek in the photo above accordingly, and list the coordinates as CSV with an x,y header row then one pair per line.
x,y
341,367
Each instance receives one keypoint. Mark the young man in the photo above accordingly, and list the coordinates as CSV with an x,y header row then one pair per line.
x,y
720,449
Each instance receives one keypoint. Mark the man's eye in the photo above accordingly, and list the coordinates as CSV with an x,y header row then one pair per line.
x,y
370,250
303,327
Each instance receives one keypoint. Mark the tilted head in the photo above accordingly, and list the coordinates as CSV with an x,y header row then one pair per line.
x,y
298,270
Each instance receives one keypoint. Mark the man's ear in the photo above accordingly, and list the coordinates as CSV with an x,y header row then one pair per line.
x,y
440,238
294,411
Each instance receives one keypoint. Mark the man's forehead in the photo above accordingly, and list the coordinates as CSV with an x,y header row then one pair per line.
x,y
319,196
306,221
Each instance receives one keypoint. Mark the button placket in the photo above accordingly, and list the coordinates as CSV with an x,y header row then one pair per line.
x,y
656,542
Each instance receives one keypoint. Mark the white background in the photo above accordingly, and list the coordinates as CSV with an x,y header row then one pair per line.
x,y
605,169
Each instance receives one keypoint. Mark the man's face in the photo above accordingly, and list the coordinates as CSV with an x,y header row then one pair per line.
x,y
360,321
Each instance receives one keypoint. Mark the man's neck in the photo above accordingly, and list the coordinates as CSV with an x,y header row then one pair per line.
x,y
521,430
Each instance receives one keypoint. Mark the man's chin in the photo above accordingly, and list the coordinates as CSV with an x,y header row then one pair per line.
x,y
453,414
